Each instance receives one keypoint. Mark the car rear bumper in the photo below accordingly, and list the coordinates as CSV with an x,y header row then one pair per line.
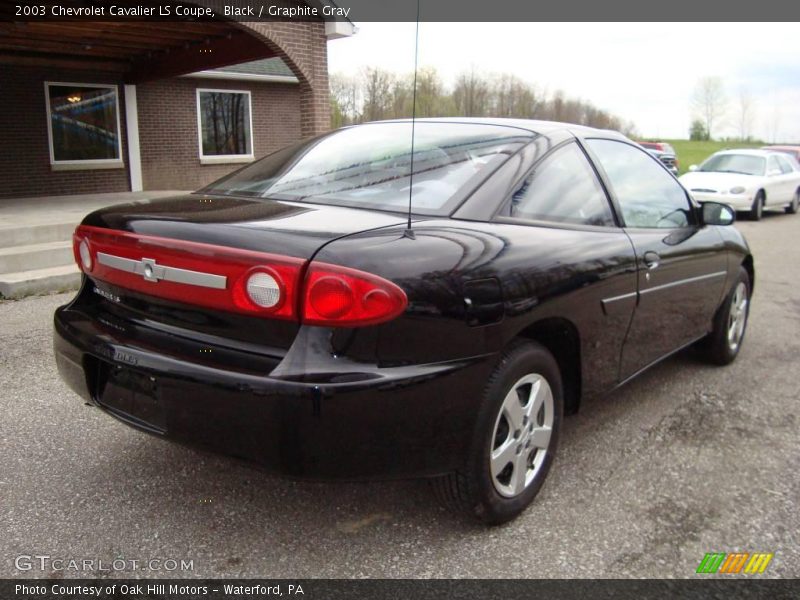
x,y
393,423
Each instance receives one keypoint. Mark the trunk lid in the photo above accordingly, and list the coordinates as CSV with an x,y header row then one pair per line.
x,y
287,228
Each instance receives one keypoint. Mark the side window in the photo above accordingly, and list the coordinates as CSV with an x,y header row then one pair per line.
x,y
563,188
784,165
772,166
647,194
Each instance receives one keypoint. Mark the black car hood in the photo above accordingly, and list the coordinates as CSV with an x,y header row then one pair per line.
x,y
287,228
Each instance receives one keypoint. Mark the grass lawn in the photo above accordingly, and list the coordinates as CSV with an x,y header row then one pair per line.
x,y
693,153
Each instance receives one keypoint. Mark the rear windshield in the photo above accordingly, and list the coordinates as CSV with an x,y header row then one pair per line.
x,y
744,164
368,166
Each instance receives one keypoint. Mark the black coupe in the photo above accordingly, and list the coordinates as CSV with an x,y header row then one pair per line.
x,y
298,314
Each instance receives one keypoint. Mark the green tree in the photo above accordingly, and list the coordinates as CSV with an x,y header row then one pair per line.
x,y
698,131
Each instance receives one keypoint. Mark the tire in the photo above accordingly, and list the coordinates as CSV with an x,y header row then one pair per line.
x,y
721,346
792,207
484,489
758,207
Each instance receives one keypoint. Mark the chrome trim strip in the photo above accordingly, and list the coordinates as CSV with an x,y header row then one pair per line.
x,y
683,281
117,262
609,304
620,297
151,271
616,305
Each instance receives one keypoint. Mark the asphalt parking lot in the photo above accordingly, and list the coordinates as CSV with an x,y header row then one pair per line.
x,y
687,459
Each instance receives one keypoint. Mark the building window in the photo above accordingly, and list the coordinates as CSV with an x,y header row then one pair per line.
x,y
83,125
224,122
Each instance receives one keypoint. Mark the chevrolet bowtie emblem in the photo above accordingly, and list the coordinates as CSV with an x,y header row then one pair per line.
x,y
151,271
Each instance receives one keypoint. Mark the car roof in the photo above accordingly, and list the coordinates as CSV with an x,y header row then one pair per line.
x,y
749,152
532,125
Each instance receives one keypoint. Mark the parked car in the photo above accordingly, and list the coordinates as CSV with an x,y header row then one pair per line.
x,y
663,152
747,180
793,151
296,314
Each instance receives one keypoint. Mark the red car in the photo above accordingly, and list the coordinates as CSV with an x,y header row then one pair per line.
x,y
663,152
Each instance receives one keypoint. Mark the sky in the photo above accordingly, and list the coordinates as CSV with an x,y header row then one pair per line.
x,y
642,72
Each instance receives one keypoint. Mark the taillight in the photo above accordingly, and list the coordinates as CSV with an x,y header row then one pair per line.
x,y
234,280
338,296
198,274
82,252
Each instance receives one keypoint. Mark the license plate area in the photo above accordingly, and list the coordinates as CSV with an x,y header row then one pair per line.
x,y
130,395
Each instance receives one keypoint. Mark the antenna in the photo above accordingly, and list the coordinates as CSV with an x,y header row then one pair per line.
x,y
408,232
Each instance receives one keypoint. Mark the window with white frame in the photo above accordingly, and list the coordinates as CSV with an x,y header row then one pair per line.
x,y
224,122
83,124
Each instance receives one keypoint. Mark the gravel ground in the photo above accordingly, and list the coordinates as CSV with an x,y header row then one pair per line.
x,y
685,460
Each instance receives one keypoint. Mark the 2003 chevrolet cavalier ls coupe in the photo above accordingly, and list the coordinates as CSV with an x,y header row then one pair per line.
x,y
288,313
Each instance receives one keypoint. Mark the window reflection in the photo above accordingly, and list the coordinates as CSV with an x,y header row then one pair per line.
x,y
83,122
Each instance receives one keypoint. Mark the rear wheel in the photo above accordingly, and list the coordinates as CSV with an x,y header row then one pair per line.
x,y
792,207
722,345
515,439
758,207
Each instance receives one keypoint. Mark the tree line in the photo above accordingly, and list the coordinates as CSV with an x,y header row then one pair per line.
x,y
713,108
377,94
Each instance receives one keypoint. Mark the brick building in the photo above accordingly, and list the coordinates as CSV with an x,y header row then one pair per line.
x,y
112,107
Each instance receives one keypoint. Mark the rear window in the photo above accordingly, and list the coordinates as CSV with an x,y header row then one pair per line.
x,y
368,166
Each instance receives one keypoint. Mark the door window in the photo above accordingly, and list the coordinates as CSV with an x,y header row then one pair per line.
x,y
647,194
563,188
784,165
772,166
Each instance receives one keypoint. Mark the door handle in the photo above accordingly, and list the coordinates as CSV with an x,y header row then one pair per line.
x,y
651,259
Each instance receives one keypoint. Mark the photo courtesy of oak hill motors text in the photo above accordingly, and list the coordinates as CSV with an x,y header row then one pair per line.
x,y
179,10
160,589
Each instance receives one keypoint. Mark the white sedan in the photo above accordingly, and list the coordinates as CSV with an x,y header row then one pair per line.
x,y
747,180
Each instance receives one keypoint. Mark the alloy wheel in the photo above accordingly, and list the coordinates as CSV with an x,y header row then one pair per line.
x,y
521,437
737,316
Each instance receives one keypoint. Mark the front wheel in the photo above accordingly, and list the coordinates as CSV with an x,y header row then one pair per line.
x,y
757,209
722,345
515,439
792,207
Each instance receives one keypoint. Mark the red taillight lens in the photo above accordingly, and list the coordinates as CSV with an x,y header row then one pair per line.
x,y
234,280
338,296
331,297
244,281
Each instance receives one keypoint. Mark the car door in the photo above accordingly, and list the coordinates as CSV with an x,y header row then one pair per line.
x,y
775,183
788,179
681,266
567,258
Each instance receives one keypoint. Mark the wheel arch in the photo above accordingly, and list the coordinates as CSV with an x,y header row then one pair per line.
x,y
561,338
747,263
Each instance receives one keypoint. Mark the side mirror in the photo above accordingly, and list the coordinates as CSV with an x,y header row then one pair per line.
x,y
716,213
693,168
774,172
